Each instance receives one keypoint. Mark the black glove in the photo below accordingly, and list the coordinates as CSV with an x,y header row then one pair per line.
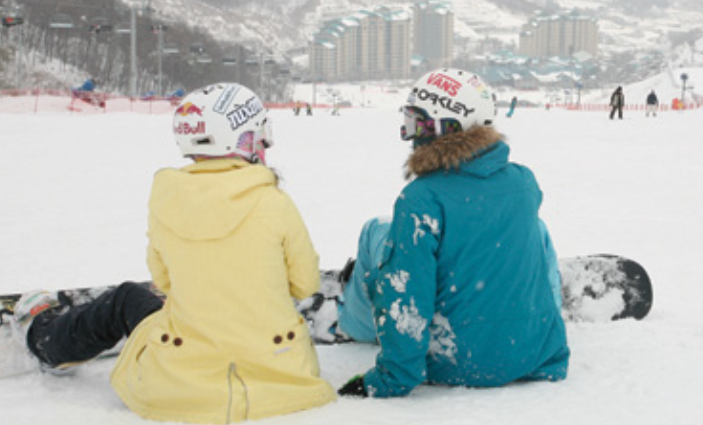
x,y
354,388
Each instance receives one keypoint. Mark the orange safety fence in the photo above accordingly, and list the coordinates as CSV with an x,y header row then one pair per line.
x,y
39,101
675,106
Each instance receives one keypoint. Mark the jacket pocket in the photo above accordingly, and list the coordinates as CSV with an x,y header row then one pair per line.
x,y
290,338
292,351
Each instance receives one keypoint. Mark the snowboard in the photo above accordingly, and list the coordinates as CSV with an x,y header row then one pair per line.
x,y
603,287
595,288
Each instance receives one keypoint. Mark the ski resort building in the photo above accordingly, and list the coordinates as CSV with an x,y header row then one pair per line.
x,y
561,35
433,33
383,43
370,44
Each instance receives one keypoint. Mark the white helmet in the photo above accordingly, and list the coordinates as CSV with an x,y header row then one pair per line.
x,y
446,101
223,120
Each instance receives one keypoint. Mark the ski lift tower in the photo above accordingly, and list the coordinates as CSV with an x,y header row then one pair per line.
x,y
159,29
140,6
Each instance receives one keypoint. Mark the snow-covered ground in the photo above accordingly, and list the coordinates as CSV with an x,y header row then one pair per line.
x,y
73,193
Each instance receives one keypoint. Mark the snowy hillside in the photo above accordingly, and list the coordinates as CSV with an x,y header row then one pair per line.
x,y
74,192
667,85
624,25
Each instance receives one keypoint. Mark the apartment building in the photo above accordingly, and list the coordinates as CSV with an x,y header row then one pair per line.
x,y
370,44
433,32
559,35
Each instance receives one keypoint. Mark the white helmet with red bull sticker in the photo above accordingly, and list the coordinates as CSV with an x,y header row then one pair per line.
x,y
223,120
446,101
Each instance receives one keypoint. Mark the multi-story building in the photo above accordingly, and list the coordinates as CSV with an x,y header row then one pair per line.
x,y
398,48
433,32
559,35
370,44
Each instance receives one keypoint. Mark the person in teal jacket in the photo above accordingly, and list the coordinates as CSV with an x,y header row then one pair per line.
x,y
461,282
355,314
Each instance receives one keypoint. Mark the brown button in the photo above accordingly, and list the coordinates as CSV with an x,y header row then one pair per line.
x,y
291,335
277,339
177,342
164,338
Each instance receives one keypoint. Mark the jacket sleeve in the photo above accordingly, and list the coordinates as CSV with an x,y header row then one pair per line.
x,y
159,273
403,300
302,260
552,264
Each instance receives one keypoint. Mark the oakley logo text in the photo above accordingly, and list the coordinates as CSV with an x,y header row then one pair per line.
x,y
445,102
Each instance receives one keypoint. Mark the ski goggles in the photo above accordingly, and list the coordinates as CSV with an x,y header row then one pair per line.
x,y
418,125
252,145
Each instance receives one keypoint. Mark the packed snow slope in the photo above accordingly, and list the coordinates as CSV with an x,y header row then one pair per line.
x,y
74,195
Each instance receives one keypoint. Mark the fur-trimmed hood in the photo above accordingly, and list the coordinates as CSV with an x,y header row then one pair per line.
x,y
450,151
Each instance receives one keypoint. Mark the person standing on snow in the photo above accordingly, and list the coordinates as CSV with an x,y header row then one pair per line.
x,y
652,103
617,102
228,249
461,286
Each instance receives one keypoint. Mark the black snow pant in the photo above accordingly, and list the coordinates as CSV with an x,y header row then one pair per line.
x,y
618,109
83,332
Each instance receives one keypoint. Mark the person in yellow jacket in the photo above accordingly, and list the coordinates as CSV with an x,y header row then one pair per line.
x,y
228,249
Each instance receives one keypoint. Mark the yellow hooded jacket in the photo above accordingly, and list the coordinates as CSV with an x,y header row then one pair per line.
x,y
228,249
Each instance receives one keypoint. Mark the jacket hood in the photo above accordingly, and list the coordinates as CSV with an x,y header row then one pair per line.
x,y
451,151
209,199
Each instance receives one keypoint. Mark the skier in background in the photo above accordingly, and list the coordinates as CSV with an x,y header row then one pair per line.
x,y
461,286
652,103
86,93
513,105
617,102
296,108
175,96
88,86
228,248
308,109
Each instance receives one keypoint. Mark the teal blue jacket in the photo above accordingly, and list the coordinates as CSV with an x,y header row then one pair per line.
x,y
462,294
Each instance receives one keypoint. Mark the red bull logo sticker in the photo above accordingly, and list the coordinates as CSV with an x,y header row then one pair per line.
x,y
188,109
184,128
445,83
